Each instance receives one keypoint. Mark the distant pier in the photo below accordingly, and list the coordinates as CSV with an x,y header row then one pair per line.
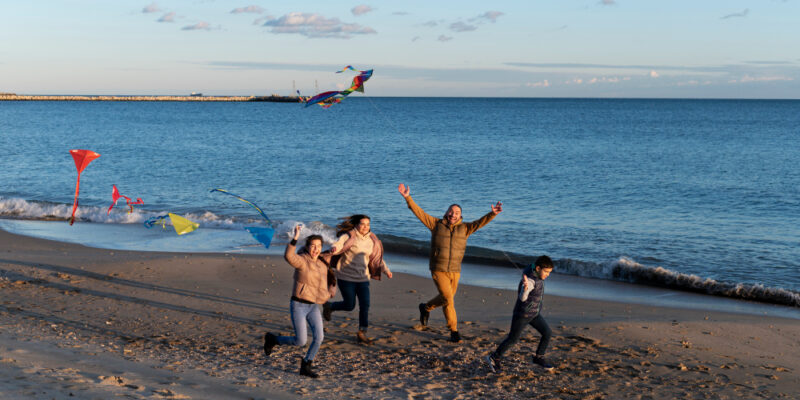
x,y
272,98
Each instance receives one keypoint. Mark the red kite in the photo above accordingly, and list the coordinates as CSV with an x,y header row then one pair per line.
x,y
82,159
116,196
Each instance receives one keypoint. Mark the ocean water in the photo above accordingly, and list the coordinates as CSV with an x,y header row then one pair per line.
x,y
699,195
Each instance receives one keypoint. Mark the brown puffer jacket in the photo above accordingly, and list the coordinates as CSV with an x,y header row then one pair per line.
x,y
310,277
448,243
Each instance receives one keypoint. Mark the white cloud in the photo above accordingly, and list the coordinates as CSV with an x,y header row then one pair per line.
x,y
361,9
653,73
543,83
315,26
168,17
249,9
576,81
429,24
608,2
735,15
200,26
604,79
462,27
443,38
748,78
153,7
491,16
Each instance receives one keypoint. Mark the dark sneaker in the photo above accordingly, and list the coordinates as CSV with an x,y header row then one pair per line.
x,y
494,363
269,342
326,311
542,362
455,337
423,314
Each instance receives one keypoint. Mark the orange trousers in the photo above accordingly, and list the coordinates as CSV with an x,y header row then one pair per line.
x,y
447,284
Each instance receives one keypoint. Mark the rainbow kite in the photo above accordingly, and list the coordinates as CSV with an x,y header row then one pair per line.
x,y
327,99
82,159
263,235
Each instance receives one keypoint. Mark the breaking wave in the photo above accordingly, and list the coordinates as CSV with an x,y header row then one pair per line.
x,y
623,269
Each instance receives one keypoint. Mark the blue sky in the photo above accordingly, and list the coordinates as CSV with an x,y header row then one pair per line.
x,y
536,48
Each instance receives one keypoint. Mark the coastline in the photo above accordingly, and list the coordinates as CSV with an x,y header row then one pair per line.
x,y
272,98
177,325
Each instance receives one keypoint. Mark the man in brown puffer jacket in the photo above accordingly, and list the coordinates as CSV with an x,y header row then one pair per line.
x,y
448,242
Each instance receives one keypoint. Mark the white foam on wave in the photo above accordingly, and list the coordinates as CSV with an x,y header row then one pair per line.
x,y
17,208
627,270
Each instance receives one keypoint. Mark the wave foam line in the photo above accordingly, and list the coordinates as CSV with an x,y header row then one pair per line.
x,y
626,270
17,208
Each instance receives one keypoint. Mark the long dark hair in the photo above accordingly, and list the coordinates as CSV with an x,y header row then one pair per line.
x,y
349,223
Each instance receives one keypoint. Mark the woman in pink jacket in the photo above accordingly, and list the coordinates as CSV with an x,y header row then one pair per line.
x,y
311,288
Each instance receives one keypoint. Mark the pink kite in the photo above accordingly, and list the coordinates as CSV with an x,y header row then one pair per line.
x,y
82,159
116,196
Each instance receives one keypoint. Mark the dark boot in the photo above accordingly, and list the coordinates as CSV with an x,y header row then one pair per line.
x,y
326,311
305,369
270,341
455,337
423,314
362,338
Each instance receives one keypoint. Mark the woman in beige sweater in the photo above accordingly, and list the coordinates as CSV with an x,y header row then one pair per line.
x,y
311,288
360,258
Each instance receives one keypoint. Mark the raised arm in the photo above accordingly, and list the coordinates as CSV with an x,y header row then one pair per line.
x,y
291,253
424,217
482,221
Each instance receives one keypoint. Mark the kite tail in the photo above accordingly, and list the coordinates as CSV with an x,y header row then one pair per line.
x,y
75,203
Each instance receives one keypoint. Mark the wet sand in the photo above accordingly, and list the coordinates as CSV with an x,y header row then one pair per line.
x,y
79,322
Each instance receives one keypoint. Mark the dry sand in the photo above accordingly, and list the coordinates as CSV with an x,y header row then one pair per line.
x,y
88,323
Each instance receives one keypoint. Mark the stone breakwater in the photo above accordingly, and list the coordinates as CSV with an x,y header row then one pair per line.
x,y
273,98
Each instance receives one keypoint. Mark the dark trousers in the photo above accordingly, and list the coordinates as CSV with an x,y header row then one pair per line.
x,y
351,290
518,325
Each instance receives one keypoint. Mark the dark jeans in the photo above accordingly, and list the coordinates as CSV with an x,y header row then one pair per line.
x,y
518,325
351,290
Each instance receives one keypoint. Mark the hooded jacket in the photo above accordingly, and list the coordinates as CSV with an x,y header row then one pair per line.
x,y
448,242
360,257
310,277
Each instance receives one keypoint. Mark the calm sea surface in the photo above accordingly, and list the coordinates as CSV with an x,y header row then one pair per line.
x,y
699,187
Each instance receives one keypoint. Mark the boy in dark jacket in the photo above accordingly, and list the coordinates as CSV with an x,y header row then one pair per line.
x,y
527,312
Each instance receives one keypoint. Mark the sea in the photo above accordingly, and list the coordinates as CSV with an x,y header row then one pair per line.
x,y
698,200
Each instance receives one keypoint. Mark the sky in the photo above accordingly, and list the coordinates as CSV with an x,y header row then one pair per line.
x,y
466,48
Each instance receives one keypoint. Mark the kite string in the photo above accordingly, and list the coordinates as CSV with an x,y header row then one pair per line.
x,y
394,129
388,121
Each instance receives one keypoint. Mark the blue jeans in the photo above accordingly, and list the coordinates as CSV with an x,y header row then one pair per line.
x,y
351,290
302,312
518,325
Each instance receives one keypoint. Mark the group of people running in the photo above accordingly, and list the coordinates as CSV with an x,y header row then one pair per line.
x,y
357,256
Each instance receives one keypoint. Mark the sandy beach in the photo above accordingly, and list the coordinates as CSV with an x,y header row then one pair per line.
x,y
87,323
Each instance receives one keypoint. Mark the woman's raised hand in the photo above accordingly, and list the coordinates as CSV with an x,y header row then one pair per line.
x,y
297,229
403,189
